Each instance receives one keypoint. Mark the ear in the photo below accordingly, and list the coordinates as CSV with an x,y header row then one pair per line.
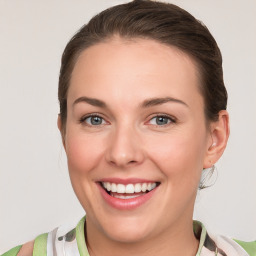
x,y
59,124
219,137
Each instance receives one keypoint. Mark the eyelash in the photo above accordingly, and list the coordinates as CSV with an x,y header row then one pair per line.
x,y
171,119
82,120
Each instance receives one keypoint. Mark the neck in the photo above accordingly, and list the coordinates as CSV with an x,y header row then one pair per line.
x,y
178,240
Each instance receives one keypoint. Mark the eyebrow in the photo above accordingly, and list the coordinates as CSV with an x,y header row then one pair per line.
x,y
91,101
158,101
145,104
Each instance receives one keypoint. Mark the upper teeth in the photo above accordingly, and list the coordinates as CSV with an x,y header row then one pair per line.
x,y
129,188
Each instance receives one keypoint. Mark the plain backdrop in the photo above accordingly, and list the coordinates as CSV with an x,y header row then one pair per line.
x,y
35,192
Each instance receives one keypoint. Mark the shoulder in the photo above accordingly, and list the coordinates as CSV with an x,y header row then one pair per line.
x,y
249,247
210,243
26,249
235,247
65,238
21,250
30,248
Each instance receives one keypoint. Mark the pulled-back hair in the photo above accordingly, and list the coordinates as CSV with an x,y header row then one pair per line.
x,y
163,22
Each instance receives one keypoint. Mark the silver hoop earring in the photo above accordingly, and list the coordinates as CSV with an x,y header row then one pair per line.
x,y
209,177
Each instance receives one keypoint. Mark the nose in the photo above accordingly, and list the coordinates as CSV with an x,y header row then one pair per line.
x,y
125,148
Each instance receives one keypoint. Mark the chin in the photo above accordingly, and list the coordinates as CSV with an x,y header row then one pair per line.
x,y
131,234
127,229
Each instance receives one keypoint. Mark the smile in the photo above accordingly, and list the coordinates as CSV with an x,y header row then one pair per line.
x,y
129,195
129,188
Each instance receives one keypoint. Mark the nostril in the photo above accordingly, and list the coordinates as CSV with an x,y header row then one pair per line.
x,y
132,162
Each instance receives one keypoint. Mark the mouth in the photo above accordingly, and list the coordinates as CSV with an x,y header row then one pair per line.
x,y
128,191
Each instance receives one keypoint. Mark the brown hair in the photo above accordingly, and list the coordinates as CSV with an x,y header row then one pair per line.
x,y
162,22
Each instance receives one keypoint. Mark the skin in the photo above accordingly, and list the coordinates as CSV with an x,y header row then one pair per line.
x,y
130,144
26,249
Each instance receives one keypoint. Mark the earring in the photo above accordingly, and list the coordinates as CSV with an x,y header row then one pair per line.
x,y
208,177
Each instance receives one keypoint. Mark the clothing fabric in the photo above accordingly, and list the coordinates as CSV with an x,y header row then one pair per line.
x,y
65,241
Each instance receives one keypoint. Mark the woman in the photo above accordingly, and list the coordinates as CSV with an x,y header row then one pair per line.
x,y
142,114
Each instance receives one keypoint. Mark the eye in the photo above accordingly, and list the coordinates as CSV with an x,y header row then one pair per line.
x,y
161,120
93,120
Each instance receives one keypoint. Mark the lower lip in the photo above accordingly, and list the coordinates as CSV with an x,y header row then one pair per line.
x,y
126,204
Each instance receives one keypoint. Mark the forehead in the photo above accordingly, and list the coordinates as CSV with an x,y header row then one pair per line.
x,y
138,67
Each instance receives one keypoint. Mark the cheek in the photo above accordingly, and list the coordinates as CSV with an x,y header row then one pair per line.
x,y
180,156
83,152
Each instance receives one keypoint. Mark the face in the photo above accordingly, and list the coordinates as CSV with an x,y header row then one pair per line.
x,y
136,138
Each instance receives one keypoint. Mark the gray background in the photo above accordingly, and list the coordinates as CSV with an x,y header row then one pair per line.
x,y
35,192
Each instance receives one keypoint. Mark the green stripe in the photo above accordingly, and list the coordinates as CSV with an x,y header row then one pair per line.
x,y
80,239
249,247
40,245
13,252
196,226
